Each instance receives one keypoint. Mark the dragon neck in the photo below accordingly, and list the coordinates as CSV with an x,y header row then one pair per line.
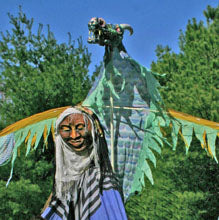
x,y
111,49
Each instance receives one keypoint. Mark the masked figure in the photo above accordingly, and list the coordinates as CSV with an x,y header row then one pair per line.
x,y
85,186
127,101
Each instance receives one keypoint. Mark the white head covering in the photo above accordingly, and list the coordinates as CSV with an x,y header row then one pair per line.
x,y
70,164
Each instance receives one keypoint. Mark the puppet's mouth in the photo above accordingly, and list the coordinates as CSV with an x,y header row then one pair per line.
x,y
97,30
94,36
80,143
76,143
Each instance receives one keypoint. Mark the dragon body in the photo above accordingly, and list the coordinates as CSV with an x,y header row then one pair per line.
x,y
137,110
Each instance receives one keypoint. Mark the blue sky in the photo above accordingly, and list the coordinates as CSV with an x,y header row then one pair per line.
x,y
154,22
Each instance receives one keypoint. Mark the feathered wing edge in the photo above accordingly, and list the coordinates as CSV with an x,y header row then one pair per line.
x,y
180,123
205,131
28,130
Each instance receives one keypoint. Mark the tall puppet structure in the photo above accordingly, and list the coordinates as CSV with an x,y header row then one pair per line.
x,y
126,100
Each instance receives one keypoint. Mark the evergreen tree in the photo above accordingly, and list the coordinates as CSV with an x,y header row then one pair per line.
x,y
30,187
192,76
38,73
186,187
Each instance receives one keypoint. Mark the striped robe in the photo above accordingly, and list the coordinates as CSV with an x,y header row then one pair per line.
x,y
87,202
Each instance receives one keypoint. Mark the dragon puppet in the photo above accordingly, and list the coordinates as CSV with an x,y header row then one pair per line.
x,y
126,100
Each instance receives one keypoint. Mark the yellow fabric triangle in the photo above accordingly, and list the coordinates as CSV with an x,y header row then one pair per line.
x,y
191,118
52,113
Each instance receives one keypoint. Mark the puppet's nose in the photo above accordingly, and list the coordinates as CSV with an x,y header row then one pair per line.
x,y
74,133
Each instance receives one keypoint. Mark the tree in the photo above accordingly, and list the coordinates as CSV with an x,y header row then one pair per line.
x,y
27,193
186,187
38,73
192,76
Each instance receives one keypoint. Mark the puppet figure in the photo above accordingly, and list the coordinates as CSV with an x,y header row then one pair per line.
x,y
85,186
126,99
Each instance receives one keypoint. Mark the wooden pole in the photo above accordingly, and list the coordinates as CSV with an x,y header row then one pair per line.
x,y
112,129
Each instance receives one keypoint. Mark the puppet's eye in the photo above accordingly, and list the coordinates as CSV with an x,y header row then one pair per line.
x,y
65,128
80,127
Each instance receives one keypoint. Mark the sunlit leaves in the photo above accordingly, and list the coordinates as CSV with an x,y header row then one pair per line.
x,y
37,72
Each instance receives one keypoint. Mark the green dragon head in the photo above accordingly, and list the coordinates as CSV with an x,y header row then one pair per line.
x,y
106,34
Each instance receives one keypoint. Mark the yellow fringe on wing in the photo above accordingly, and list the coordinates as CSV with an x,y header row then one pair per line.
x,y
52,113
27,137
210,152
33,140
204,146
53,132
45,136
183,139
191,118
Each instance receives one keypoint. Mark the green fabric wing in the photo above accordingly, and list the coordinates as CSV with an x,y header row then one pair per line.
x,y
138,115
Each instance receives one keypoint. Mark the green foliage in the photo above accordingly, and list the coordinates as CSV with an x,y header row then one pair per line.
x,y
30,188
22,200
192,76
185,188
38,73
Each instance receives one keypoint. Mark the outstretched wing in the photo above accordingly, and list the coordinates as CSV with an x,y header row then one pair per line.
x,y
205,131
181,124
126,99
28,130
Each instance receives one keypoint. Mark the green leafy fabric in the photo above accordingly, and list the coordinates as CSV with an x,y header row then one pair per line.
x,y
28,133
138,115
